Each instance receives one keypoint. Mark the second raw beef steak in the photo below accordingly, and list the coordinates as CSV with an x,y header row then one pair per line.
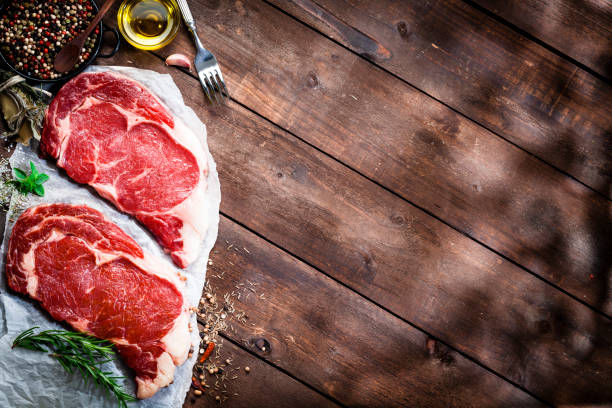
x,y
85,270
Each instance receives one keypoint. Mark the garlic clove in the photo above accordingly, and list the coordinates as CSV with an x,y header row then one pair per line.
x,y
179,60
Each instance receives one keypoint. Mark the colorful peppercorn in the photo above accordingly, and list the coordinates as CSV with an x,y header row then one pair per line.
x,y
33,32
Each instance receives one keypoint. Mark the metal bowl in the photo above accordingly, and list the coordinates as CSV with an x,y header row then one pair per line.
x,y
93,55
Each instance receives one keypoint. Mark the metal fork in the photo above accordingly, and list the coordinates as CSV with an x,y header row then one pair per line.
x,y
205,63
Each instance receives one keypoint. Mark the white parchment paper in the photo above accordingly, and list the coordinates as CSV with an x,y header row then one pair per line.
x,y
33,379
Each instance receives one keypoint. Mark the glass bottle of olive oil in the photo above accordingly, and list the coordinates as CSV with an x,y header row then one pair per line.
x,y
149,24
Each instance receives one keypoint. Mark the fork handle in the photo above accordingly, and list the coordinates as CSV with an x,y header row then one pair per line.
x,y
189,21
187,17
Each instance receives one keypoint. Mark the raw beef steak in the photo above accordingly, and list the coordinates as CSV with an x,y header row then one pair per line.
x,y
85,270
108,131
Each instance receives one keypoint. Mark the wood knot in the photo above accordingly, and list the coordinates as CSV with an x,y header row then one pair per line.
x,y
439,351
262,345
402,29
430,345
299,173
397,219
544,327
312,80
367,271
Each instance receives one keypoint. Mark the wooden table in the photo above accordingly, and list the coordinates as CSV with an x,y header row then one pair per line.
x,y
416,196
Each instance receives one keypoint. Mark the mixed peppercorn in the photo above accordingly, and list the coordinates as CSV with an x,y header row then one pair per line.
x,y
33,32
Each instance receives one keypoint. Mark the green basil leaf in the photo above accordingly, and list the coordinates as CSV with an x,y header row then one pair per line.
x,y
19,173
39,190
34,172
41,178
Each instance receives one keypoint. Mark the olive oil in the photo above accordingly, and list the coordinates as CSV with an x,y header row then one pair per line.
x,y
148,24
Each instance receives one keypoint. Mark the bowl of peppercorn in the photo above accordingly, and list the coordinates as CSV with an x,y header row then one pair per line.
x,y
33,32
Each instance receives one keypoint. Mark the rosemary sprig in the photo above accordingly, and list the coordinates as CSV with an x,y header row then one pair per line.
x,y
77,351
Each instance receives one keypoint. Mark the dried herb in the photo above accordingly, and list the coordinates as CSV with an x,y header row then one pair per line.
x,y
32,183
23,107
77,352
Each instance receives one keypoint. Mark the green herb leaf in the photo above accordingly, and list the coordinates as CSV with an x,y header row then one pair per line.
x,y
77,352
20,174
30,183
41,178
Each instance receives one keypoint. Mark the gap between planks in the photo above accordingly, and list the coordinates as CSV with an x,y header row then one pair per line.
x,y
536,40
422,331
386,310
282,370
424,210
476,122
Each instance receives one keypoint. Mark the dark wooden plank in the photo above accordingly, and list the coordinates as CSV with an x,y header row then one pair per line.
x,y
263,386
484,70
401,258
335,340
580,29
415,146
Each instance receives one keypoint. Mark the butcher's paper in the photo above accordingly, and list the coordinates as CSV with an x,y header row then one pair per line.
x,y
34,379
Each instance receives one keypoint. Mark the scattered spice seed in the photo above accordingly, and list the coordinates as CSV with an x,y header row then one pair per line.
x,y
215,317
197,392
247,369
196,384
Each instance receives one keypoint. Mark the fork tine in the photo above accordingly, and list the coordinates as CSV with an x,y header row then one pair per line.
x,y
216,79
205,86
222,82
213,79
213,88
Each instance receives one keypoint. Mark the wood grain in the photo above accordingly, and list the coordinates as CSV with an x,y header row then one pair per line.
x,y
403,259
338,342
413,145
263,386
487,71
581,29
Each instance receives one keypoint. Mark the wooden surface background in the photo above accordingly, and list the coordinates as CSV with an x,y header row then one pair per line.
x,y
421,192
